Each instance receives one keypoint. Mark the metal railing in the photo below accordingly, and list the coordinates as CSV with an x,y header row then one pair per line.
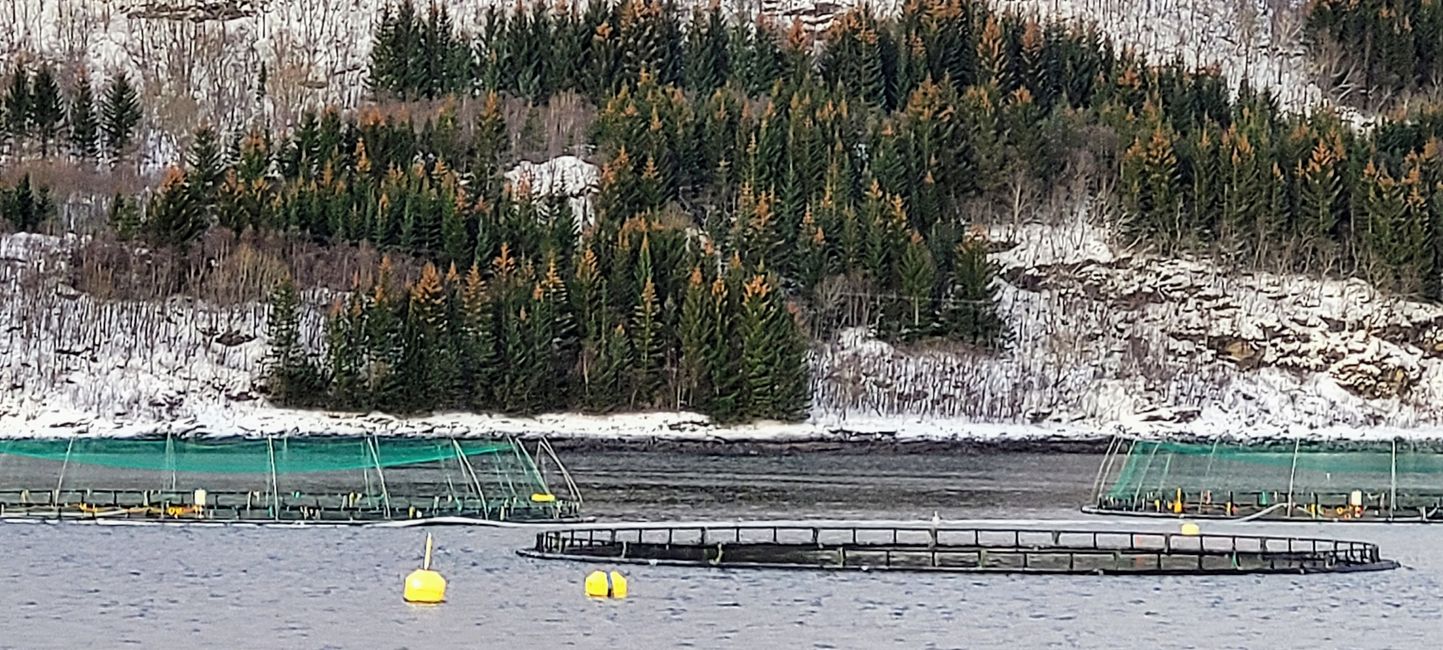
x,y
952,548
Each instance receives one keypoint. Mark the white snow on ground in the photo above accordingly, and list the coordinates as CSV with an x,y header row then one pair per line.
x,y
567,175
1257,40
1103,341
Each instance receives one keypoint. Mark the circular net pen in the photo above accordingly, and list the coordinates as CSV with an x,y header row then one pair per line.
x,y
954,549
353,480
1309,480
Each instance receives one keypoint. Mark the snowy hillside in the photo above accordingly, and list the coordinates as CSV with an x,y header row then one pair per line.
x,y
203,59
1102,341
1102,338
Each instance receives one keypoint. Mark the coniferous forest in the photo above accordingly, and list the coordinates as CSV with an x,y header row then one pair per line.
x,y
1388,47
761,186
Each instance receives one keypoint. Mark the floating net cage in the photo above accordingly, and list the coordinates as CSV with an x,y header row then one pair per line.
x,y
868,546
282,479
1386,480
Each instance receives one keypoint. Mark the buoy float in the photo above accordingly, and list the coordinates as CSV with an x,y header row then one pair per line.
x,y
543,497
601,584
424,585
1190,529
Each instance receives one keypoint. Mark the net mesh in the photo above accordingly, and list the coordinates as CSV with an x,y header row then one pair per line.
x,y
1381,472
334,479
248,456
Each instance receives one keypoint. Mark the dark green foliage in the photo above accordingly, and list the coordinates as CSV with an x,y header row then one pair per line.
x,y
82,119
17,105
1388,46
45,109
176,217
970,308
119,116
25,206
293,377
125,217
414,56
708,59
205,168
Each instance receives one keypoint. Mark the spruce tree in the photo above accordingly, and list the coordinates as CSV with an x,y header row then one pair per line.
x,y
345,351
431,365
45,110
478,354
647,342
708,62
175,217
724,401
26,207
205,169
124,217
758,349
17,106
919,278
792,374
971,306
693,333
293,379
82,119
119,116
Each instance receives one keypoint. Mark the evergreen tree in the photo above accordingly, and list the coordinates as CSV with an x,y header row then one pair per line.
x,y
708,61
345,351
205,169
45,110
124,217
758,349
82,119
971,305
647,343
175,218
119,116
17,105
26,207
293,379
431,365
919,277
693,332
724,401
792,375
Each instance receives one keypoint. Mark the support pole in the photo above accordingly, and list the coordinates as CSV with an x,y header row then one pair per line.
x,y
275,482
470,471
59,483
170,458
1146,468
1292,474
1393,482
565,475
375,447
1102,469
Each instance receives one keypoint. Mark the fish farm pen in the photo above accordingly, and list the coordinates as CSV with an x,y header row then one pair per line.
x,y
351,480
1395,481
945,548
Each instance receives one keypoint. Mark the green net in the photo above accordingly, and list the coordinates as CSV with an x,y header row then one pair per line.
x,y
1145,470
290,456
294,479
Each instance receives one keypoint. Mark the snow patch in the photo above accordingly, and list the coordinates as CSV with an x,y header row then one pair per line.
x,y
567,176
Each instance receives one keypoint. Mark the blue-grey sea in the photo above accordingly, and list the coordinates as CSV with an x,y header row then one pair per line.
x,y
87,586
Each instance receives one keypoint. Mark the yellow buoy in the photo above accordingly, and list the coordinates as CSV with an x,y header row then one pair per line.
x,y
600,584
424,585
542,497
1190,529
